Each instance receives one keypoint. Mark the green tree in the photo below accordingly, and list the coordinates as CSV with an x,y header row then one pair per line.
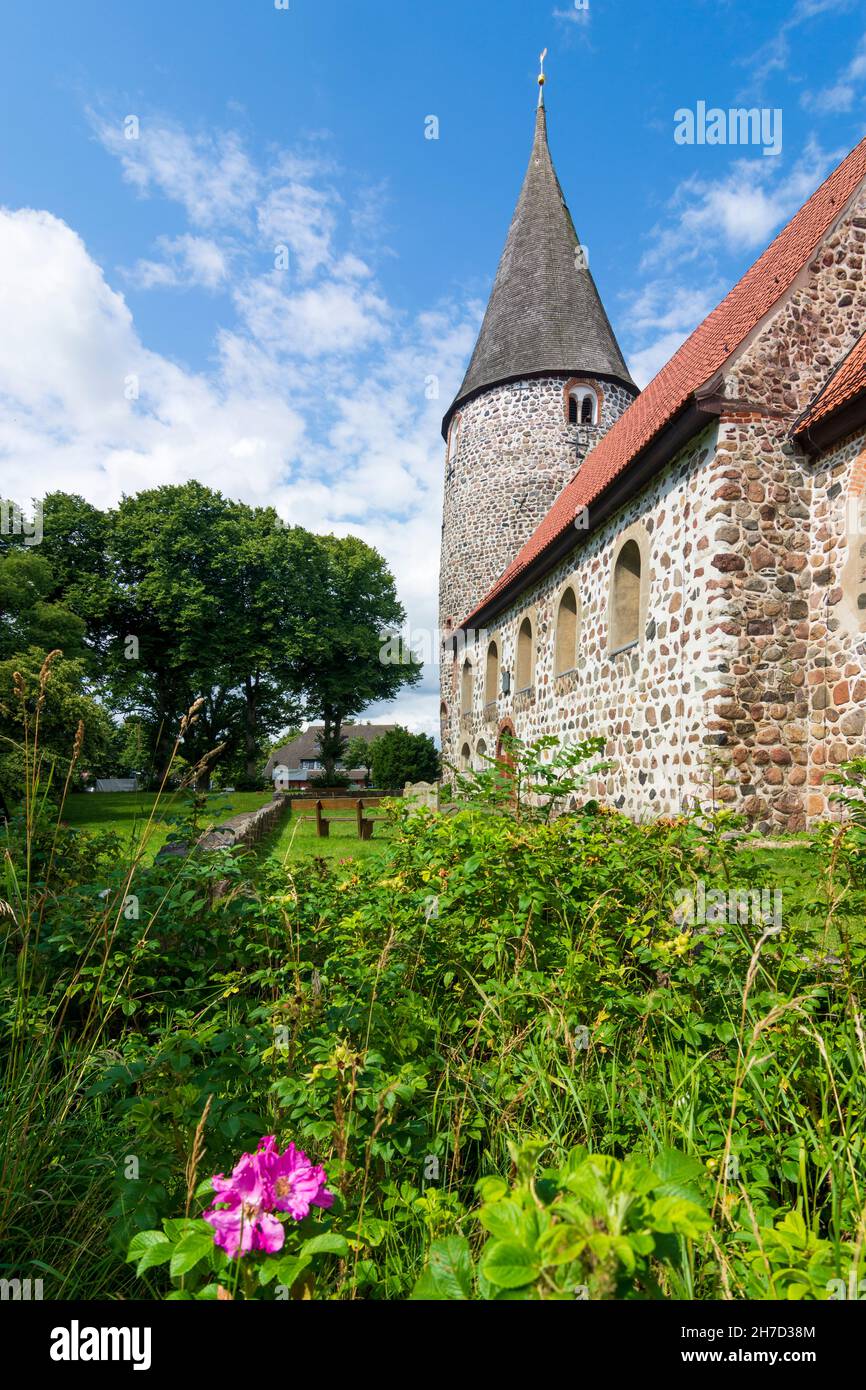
x,y
358,754
28,616
399,757
352,659
79,579
217,600
43,702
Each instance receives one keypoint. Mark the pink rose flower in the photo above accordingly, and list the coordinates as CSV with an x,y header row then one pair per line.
x,y
260,1183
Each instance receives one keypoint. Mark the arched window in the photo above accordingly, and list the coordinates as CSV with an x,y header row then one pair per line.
x,y
491,675
453,441
524,655
481,755
566,633
466,687
465,757
582,406
625,597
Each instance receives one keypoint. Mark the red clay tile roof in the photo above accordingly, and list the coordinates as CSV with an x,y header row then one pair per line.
x,y
847,381
699,358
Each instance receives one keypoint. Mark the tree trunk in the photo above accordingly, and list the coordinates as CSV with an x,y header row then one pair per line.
x,y
251,747
329,742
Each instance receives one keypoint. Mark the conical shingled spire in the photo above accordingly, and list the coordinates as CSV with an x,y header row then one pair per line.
x,y
545,313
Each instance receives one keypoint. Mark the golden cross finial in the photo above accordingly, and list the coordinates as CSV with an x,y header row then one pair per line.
x,y
541,79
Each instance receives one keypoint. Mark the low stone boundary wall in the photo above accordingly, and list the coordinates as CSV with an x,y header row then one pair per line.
x,y
245,829
238,832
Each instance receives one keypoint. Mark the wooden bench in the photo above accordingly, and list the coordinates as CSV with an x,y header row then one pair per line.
x,y
355,806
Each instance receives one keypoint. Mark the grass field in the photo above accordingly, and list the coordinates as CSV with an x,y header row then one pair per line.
x,y
295,839
129,815
137,819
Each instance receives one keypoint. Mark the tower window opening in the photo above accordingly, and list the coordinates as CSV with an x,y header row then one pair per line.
x,y
582,406
453,441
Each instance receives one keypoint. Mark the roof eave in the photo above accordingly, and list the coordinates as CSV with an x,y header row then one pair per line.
x,y
823,433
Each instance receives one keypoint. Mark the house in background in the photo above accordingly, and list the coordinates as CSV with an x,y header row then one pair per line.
x,y
300,760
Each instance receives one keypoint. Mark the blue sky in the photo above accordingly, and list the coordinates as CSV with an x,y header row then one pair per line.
x,y
149,337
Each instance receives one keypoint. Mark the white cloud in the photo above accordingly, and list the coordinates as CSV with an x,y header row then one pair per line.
x,y
320,398
660,318
186,261
577,14
775,55
841,94
327,318
210,175
302,218
737,212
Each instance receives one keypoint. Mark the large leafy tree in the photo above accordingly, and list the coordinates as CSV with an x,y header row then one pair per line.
x,y
43,706
217,600
72,569
357,754
29,615
190,597
349,662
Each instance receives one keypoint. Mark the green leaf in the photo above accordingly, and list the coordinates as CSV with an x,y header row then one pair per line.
x,y
191,1248
150,1248
287,1270
508,1265
679,1175
448,1276
144,1241
327,1244
504,1220
680,1217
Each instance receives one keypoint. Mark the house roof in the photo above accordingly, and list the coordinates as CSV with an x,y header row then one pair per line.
x,y
701,356
846,384
544,313
305,747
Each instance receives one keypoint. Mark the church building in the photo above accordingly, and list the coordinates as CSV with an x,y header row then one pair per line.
x,y
682,569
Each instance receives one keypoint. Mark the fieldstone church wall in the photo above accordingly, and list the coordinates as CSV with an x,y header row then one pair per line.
x,y
647,699
749,678
794,702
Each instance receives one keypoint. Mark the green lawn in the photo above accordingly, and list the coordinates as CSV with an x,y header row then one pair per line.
x,y
793,867
295,839
129,813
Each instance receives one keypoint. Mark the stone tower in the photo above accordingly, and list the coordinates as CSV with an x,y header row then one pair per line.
x,y
546,380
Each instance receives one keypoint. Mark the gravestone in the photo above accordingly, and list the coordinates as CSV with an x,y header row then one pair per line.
x,y
423,793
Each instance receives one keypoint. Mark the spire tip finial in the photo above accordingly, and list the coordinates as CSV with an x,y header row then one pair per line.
x,y
541,78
